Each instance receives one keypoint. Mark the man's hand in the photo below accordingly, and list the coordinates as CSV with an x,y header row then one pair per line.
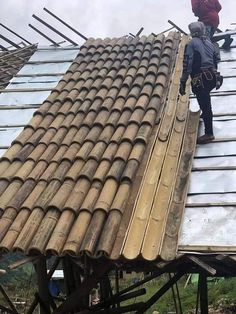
x,y
182,88
219,81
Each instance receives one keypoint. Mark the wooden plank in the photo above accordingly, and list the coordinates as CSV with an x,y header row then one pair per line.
x,y
232,257
6,297
44,294
77,296
203,293
49,61
24,90
22,262
13,126
214,168
206,249
210,270
39,74
49,275
210,204
160,293
2,271
5,107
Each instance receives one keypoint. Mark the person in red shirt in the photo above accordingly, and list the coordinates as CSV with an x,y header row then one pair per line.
x,y
208,12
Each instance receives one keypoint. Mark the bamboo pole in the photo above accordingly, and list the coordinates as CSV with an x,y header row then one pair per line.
x,y
12,306
44,295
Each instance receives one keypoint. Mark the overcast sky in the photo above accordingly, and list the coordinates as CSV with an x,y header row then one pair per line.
x,y
102,18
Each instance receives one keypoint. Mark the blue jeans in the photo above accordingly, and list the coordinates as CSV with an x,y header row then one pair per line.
x,y
209,31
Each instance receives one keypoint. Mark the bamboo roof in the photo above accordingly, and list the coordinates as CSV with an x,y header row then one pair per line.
x,y
102,168
12,61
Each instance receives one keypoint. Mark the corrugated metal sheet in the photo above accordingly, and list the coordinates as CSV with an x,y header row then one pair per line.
x,y
221,149
202,181
222,129
29,80
7,135
211,199
44,68
54,54
228,161
36,79
229,70
48,85
23,98
209,224
215,227
222,105
15,117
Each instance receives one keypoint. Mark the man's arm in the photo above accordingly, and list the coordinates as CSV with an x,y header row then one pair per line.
x,y
218,6
187,67
188,61
216,55
195,7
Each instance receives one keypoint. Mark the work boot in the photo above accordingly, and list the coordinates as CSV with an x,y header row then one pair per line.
x,y
204,139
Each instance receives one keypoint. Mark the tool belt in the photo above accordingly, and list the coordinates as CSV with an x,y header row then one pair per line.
x,y
206,79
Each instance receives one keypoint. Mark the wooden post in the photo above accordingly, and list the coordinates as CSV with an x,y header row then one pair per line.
x,y
43,292
117,283
12,306
105,287
49,275
203,293
159,293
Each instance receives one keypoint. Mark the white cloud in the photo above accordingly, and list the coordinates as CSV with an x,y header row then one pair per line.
x,y
103,18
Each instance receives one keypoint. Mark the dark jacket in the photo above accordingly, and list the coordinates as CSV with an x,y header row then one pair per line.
x,y
200,54
207,11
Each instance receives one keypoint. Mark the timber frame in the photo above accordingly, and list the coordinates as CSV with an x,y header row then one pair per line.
x,y
84,274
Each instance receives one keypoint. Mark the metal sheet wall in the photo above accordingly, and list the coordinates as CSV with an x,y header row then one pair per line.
x,y
210,215
43,71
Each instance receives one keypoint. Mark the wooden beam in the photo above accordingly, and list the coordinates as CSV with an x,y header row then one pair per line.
x,y
49,275
233,257
25,90
210,205
210,270
105,288
177,27
2,271
40,74
67,25
43,294
43,291
160,293
75,298
203,293
22,262
204,248
139,32
50,61
6,297
6,310
132,287
214,168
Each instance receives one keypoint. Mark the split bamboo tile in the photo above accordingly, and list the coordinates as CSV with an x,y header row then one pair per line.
x,y
88,173
170,240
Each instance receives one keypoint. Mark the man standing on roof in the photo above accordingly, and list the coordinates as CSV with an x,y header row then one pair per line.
x,y
200,62
208,12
